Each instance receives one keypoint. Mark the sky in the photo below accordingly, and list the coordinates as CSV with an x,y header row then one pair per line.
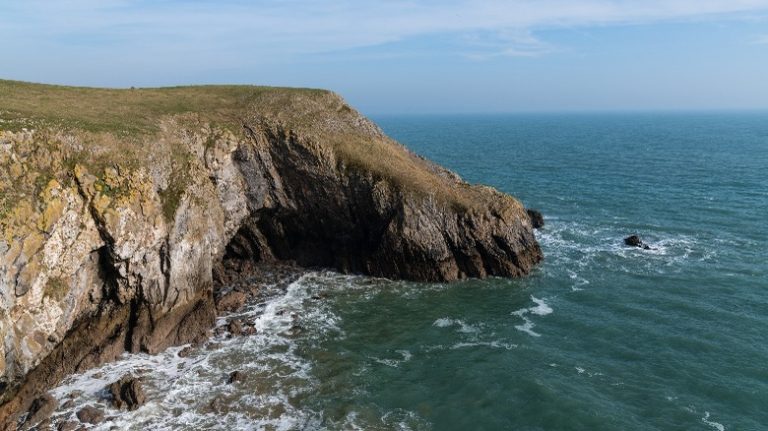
x,y
408,56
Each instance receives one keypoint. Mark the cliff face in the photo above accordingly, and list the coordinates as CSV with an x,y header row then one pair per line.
x,y
114,239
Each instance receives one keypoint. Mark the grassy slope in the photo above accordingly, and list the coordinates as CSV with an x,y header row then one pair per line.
x,y
125,111
119,124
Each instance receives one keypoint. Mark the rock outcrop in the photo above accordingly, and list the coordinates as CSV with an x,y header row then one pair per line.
x,y
635,241
127,393
537,219
116,227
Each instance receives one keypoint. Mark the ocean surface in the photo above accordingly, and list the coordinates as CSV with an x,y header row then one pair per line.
x,y
599,337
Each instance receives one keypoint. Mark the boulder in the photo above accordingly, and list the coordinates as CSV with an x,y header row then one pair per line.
x,y
67,426
635,241
127,393
235,327
90,415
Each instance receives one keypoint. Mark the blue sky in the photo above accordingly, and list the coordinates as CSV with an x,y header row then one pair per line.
x,y
409,56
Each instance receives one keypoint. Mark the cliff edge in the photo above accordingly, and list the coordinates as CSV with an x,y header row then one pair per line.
x,y
121,211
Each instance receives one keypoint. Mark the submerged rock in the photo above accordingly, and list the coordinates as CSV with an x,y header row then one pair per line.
x,y
127,393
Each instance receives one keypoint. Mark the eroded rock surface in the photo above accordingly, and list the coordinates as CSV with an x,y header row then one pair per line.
x,y
111,243
127,393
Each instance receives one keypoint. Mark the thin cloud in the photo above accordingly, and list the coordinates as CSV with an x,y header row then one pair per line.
x,y
506,43
761,40
307,26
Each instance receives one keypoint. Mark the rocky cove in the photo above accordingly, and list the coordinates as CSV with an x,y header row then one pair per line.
x,y
128,216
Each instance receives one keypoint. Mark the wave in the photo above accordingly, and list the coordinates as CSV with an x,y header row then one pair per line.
x,y
575,248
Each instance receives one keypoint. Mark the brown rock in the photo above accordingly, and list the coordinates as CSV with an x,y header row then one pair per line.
x,y
68,426
127,393
41,409
235,327
231,301
90,415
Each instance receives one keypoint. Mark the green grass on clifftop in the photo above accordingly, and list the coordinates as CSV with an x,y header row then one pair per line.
x,y
126,111
125,128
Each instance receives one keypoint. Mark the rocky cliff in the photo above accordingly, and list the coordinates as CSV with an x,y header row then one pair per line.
x,y
121,211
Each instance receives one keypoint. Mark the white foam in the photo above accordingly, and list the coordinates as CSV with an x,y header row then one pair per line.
x,y
577,279
527,327
443,322
406,355
491,344
180,390
541,309
578,244
394,363
716,425
446,322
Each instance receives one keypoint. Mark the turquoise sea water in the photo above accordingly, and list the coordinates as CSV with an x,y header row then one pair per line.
x,y
599,337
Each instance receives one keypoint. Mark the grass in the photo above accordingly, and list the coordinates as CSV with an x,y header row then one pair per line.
x,y
124,111
122,126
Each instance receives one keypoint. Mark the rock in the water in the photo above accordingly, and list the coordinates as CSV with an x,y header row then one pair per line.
x,y
235,376
537,219
127,393
635,241
235,327
68,426
41,409
90,415
186,351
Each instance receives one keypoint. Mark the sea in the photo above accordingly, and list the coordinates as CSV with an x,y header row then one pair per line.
x,y
600,336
